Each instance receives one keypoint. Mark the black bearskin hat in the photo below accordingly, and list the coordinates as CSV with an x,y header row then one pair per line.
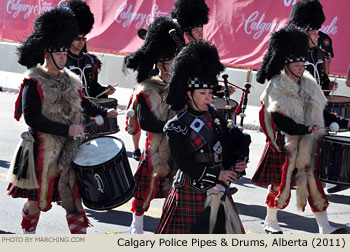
x,y
286,46
158,45
82,13
190,13
307,15
197,66
53,31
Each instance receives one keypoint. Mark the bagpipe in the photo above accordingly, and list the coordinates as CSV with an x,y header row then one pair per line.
x,y
244,98
234,141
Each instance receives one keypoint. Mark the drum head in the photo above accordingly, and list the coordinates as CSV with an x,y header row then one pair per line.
x,y
338,99
220,103
98,151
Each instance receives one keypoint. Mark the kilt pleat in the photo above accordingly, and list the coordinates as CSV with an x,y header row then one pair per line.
x,y
181,210
143,179
270,167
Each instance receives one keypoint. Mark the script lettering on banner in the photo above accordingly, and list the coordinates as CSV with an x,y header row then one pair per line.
x,y
16,7
125,13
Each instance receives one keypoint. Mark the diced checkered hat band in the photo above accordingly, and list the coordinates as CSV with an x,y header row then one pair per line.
x,y
292,59
189,28
53,50
308,28
195,83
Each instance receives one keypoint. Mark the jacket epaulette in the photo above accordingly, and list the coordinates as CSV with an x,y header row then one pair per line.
x,y
175,124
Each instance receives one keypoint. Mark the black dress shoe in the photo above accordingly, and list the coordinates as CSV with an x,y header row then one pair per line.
x,y
339,231
274,232
337,188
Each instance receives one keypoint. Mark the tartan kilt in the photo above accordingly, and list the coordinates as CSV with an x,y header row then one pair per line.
x,y
270,167
182,208
143,179
33,194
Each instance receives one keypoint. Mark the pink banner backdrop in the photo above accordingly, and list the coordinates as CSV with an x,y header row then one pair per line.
x,y
239,28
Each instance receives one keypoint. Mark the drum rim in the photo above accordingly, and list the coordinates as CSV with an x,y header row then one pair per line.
x,y
101,134
337,96
107,100
219,98
104,133
331,139
331,181
93,166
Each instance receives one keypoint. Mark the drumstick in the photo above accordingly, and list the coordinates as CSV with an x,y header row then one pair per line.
x,y
98,120
335,80
128,113
102,93
334,127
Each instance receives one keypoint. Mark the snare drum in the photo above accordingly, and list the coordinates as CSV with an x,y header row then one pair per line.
x,y
107,102
335,160
339,105
103,173
109,126
220,104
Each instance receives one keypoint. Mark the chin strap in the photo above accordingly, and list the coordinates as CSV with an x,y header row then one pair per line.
x,y
164,69
53,59
76,48
299,77
194,102
311,39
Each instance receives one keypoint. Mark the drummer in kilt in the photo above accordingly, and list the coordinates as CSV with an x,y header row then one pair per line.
x,y
155,172
293,117
198,201
51,101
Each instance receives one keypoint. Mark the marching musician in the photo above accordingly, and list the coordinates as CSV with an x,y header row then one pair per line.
x,y
194,146
50,99
325,43
293,118
81,62
192,15
308,15
155,172
135,130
